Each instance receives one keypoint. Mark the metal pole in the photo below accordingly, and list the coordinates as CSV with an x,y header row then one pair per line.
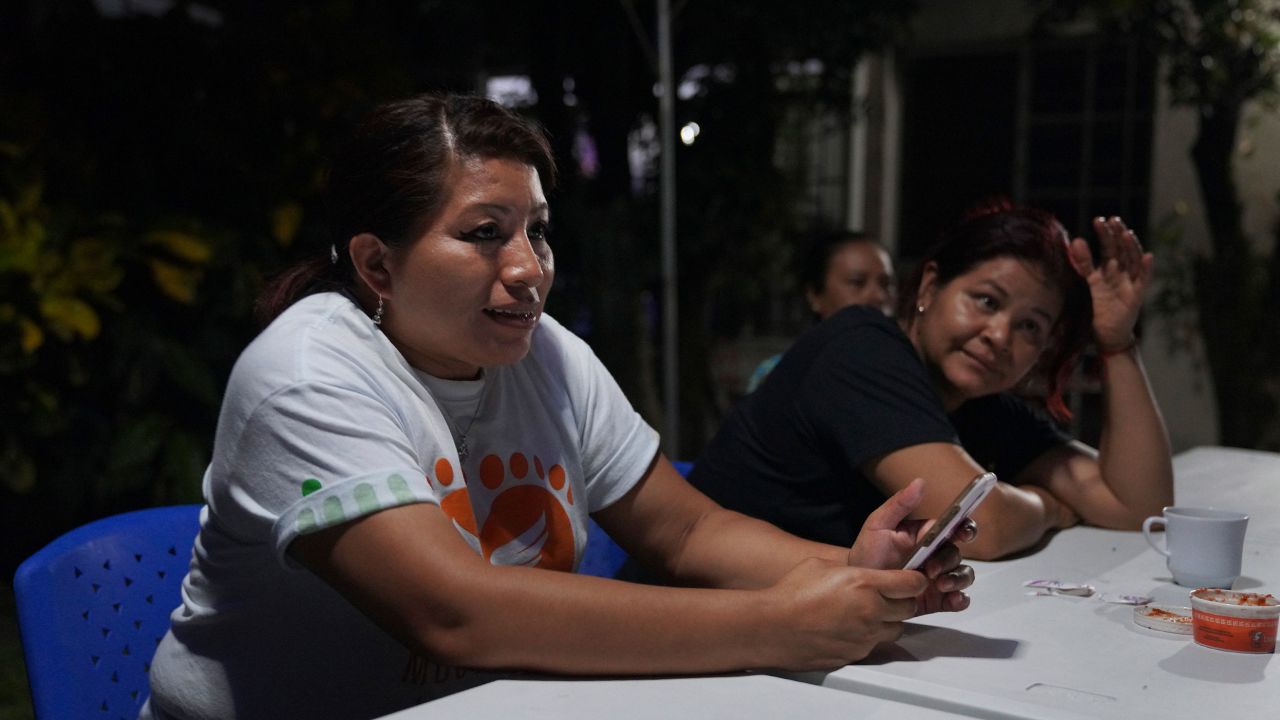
x,y
667,130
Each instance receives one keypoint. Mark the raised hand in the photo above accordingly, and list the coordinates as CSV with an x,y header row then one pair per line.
x,y
1116,283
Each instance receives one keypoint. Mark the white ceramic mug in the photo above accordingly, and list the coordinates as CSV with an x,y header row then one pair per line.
x,y
1203,546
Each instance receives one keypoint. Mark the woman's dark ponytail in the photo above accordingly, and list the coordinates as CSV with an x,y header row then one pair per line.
x,y
310,276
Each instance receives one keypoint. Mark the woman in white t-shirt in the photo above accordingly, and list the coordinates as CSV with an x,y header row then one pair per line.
x,y
410,451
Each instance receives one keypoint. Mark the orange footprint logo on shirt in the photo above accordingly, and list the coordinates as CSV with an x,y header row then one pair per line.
x,y
525,524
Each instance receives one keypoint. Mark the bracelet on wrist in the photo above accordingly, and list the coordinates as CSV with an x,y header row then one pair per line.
x,y
1124,349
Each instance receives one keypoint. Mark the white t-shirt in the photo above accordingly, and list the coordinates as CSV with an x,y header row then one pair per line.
x,y
324,422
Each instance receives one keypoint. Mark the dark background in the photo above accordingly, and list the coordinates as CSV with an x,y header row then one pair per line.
x,y
160,160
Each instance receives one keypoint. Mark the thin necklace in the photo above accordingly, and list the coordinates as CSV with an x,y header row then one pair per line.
x,y
460,437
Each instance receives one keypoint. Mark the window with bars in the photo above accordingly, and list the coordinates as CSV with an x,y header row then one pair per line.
x,y
1062,124
1084,130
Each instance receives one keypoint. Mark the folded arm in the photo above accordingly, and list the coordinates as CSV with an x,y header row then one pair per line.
x,y
1012,517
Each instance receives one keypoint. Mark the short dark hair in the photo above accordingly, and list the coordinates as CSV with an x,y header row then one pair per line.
x,y
391,179
996,229
817,258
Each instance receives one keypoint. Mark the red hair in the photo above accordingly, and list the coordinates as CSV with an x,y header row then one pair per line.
x,y
997,228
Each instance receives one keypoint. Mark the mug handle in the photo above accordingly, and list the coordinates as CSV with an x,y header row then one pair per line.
x,y
1146,532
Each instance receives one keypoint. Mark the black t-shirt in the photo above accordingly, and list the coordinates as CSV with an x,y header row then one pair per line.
x,y
851,389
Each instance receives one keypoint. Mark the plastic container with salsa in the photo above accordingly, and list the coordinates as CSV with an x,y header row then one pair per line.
x,y
1236,621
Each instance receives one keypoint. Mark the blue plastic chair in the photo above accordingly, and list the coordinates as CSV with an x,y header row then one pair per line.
x,y
603,557
92,606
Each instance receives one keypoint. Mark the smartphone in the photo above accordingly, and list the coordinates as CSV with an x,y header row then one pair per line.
x,y
965,502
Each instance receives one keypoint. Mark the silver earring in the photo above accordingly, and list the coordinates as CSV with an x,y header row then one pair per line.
x,y
919,309
377,314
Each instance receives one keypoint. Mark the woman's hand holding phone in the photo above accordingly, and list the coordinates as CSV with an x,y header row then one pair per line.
x,y
946,524
889,537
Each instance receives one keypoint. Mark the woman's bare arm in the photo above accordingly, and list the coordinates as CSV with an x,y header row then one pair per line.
x,y
409,570
707,545
671,527
1011,518
1130,476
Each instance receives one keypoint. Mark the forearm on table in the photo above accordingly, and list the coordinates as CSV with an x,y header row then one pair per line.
x,y
515,617
1012,518
1134,456
453,606
730,550
673,528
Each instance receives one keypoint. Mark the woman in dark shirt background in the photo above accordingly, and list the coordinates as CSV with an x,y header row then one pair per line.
x,y
840,269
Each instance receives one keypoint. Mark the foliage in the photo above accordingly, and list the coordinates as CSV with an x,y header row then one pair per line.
x,y
1174,298
1216,50
60,280
15,699
152,170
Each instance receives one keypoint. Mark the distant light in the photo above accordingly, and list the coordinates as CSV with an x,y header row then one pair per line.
x,y
198,13
642,154
124,8
693,82
204,15
689,133
584,151
511,90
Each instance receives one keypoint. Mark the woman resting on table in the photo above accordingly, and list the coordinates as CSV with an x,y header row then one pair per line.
x,y
408,454
840,269
862,404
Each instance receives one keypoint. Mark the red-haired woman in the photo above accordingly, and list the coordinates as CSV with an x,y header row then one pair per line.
x,y
862,404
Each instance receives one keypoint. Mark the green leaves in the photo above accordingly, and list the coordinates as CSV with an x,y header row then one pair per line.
x,y
143,201
105,397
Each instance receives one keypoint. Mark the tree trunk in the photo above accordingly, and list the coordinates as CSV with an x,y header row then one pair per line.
x,y
1230,289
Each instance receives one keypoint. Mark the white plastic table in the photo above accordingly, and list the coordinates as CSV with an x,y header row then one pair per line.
x,y
1012,655
731,697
